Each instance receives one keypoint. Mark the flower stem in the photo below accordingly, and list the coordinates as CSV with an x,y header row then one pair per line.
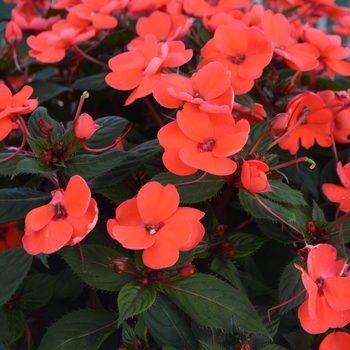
x,y
294,161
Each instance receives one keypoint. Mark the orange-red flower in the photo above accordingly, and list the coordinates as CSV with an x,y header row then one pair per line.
x,y
239,112
253,176
10,237
209,88
340,194
154,222
200,140
173,27
13,33
344,28
84,127
245,57
66,220
140,68
50,46
315,125
336,341
327,285
201,8
10,106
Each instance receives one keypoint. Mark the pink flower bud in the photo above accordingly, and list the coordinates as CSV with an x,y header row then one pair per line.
x,y
279,124
13,33
84,126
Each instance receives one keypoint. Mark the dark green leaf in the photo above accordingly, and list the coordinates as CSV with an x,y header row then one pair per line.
x,y
15,203
255,133
211,302
136,157
168,326
8,167
32,166
83,329
94,82
207,346
193,193
255,209
276,232
67,285
5,335
246,243
46,90
14,266
273,347
97,272
110,129
134,299
89,165
300,340
253,285
225,268
16,325
117,193
318,215
284,194
128,335
245,100
33,123
289,286
38,145
36,291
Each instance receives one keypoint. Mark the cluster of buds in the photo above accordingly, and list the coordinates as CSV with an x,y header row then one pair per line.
x,y
317,233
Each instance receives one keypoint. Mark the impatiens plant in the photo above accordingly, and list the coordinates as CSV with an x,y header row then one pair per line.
x,y
174,175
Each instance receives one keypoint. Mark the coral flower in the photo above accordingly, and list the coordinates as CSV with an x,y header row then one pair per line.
x,y
328,291
172,28
154,222
254,177
13,33
10,237
10,106
66,220
315,125
84,127
140,68
245,57
340,194
209,88
336,341
200,140
200,8
50,46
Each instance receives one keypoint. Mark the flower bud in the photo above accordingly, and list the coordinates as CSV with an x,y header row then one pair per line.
x,y
220,230
279,124
246,346
45,127
13,33
311,226
144,281
186,270
120,265
84,127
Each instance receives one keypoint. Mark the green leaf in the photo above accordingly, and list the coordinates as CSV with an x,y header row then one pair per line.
x,y
110,129
14,266
193,193
273,347
15,203
15,324
133,299
255,209
83,329
300,340
8,167
253,285
245,100
136,157
67,285
36,291
168,326
225,268
46,90
284,194
89,165
318,215
117,193
207,346
33,123
211,302
289,286
97,272
94,82
274,231
5,335
32,166
246,243
128,335
255,133
38,145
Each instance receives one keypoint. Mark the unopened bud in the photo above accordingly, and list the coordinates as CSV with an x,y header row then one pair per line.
x,y
120,265
144,281
246,346
13,33
311,226
46,156
279,123
45,127
220,229
186,270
